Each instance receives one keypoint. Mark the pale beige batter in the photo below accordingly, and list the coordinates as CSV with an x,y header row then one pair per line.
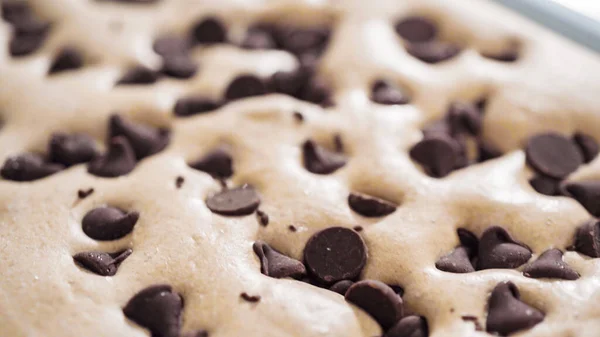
x,y
208,258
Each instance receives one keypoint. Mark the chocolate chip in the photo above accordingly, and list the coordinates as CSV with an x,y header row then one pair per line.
x,y
238,201
117,161
138,75
509,54
553,155
378,300
301,40
103,264
550,265
250,298
71,149
193,105
179,181
587,238
259,37
292,228
145,140
545,185
433,52
464,117
108,223
22,45
157,308
317,91
263,218
369,206
468,239
275,264
210,30
299,117
27,167
14,11
290,82
245,86
507,314
497,249
417,29
68,58
438,154
587,193
319,160
358,228
335,254
474,319
409,326
588,146
170,45
218,163
82,194
179,66
383,92
458,261
341,287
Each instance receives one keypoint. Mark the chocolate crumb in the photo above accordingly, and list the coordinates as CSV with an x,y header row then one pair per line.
x,y
250,298
263,218
179,181
292,228
358,228
299,117
474,319
82,194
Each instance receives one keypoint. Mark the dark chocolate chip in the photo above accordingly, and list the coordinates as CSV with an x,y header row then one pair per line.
x,y
263,218
545,185
250,298
369,206
383,92
82,194
317,91
108,223
417,29
433,52
587,193
27,167
144,140
341,287
15,11
299,117
275,264
497,249
22,45
464,118
468,239
358,228
458,261
179,66
551,265
335,254
292,228
553,155
157,308
474,319
587,238
378,300
409,326
245,86
301,40
509,54
438,154
290,82
170,45
117,161
138,75
179,181
68,58
507,314
71,149
588,146
238,201
259,37
218,163
319,160
209,31
193,105
103,264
